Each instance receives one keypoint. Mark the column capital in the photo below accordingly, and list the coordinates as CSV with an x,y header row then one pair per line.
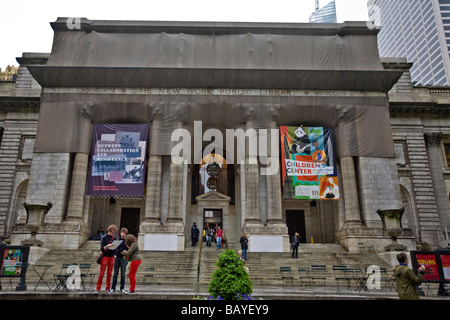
x,y
433,139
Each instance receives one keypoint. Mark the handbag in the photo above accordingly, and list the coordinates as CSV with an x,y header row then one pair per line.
x,y
100,257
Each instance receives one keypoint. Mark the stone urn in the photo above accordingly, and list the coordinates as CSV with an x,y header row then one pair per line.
x,y
35,218
392,224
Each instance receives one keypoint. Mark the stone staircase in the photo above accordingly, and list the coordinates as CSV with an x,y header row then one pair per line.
x,y
179,269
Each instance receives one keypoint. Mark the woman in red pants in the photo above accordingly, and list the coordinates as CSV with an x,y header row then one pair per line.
x,y
132,254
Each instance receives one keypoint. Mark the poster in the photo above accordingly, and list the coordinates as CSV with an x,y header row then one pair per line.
x,y
431,264
118,160
308,169
445,259
12,262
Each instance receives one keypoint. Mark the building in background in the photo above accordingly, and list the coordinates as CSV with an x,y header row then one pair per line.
x,y
390,139
418,30
326,14
10,73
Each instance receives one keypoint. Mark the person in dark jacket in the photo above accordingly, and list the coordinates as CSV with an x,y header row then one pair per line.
x,y
295,242
406,280
108,258
244,246
120,263
194,234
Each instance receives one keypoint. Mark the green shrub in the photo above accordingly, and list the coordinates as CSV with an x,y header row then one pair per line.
x,y
230,279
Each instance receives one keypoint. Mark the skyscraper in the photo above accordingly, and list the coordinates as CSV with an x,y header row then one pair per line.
x,y
418,30
326,14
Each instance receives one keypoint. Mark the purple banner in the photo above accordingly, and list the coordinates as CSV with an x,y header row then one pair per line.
x,y
118,160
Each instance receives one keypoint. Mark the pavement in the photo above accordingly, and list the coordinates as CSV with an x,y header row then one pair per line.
x,y
161,292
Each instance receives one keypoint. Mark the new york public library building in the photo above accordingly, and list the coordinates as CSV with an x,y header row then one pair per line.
x,y
262,128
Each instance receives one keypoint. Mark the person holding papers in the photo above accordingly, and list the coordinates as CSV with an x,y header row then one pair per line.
x,y
106,243
120,263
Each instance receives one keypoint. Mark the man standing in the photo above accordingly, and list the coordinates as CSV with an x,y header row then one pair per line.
x,y
295,241
406,280
194,234
120,263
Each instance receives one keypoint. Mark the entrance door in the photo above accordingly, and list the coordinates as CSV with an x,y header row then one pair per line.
x,y
213,217
130,220
295,220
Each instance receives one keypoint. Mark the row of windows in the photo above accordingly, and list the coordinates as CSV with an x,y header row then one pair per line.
x,y
409,30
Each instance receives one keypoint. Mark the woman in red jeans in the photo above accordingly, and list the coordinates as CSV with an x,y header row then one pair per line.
x,y
132,254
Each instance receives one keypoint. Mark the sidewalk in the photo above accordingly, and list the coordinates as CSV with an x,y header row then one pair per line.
x,y
159,292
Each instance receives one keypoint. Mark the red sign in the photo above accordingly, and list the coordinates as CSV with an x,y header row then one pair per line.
x,y
431,265
445,259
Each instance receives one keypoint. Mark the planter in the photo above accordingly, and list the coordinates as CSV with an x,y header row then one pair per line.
x,y
392,224
35,218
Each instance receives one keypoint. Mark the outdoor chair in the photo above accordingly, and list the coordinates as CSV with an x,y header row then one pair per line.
x,y
286,275
318,273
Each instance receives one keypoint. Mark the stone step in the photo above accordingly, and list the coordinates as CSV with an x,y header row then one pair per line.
x,y
172,268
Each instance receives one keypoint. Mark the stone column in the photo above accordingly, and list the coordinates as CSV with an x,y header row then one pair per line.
x,y
78,187
153,196
351,205
433,142
175,193
175,209
273,183
252,215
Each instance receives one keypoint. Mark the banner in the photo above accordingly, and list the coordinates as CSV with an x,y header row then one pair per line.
x,y
308,169
118,160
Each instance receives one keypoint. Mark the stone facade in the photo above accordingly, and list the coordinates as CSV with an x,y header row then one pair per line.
x,y
418,178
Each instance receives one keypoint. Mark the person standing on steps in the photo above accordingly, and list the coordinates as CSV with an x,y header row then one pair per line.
x,y
295,241
219,235
107,260
132,254
120,263
244,246
208,235
194,234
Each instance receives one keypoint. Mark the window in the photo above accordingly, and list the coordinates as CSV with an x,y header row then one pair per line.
x,y
204,182
447,153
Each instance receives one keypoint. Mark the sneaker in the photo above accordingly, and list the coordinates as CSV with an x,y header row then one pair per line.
x,y
95,292
109,291
127,292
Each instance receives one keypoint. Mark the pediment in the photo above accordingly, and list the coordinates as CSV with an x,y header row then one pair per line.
x,y
212,196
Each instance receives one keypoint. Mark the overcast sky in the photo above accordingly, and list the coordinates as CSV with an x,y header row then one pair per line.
x,y
24,24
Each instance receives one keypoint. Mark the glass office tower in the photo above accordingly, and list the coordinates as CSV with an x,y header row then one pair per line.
x,y
327,14
418,30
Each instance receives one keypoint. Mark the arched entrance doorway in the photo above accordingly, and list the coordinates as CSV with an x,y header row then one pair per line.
x,y
213,191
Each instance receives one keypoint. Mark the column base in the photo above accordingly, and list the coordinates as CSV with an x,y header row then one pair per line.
x,y
270,238
154,236
358,238
68,235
